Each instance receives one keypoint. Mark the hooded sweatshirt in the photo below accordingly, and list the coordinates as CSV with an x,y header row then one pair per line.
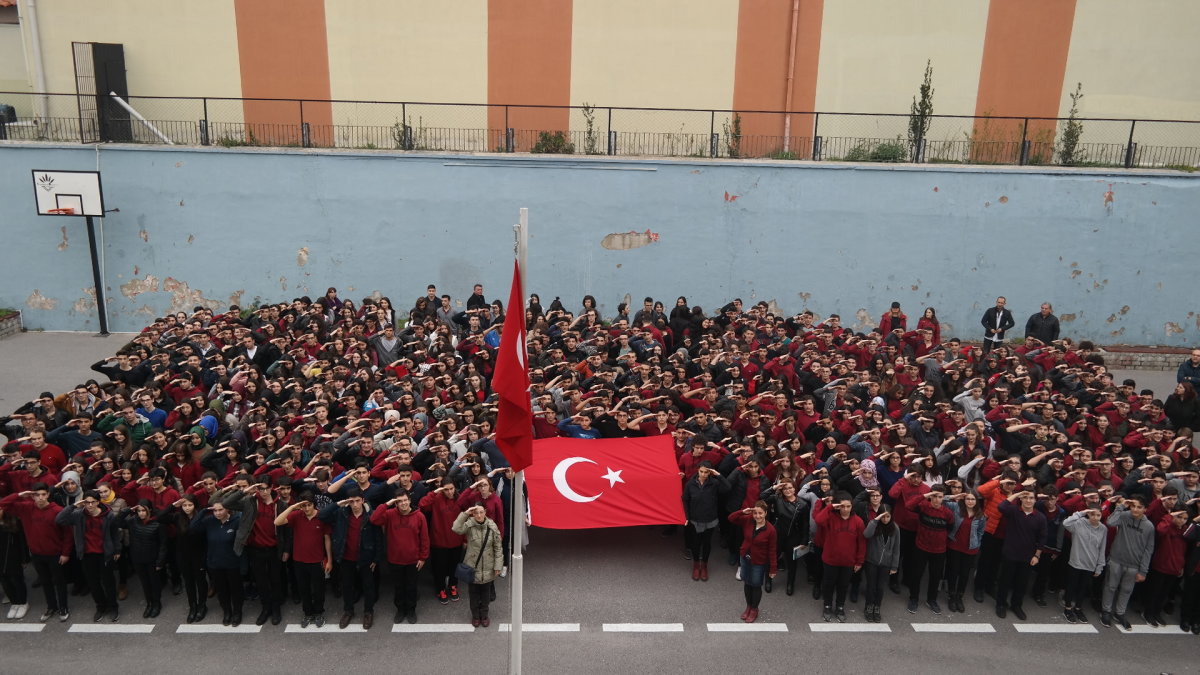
x,y
1087,542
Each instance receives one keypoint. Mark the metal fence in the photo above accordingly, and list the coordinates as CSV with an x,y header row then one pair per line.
x,y
594,130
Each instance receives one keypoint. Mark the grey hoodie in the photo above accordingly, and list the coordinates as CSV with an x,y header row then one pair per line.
x,y
881,550
1133,546
1087,542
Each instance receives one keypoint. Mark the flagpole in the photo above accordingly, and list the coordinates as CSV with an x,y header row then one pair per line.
x,y
517,528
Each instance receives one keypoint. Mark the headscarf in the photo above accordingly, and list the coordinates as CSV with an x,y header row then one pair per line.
x,y
868,477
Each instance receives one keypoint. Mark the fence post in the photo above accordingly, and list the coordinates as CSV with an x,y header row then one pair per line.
x,y
1130,147
816,146
205,139
714,145
612,136
3,128
1024,149
305,137
509,140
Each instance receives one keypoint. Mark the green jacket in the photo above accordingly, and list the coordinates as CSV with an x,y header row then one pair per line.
x,y
492,559
137,432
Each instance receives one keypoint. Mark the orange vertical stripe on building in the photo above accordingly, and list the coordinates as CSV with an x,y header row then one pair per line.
x,y
1024,63
761,69
529,62
284,54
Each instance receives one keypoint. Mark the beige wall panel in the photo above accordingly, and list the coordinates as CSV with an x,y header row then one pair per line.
x,y
666,53
171,48
873,55
1135,59
12,60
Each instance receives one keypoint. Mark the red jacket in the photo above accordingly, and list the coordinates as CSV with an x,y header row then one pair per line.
x,y
1169,548
844,544
407,535
442,512
900,493
42,534
933,524
493,505
760,546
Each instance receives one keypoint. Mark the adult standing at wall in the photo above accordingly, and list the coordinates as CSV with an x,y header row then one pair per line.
x,y
995,321
1189,371
1042,325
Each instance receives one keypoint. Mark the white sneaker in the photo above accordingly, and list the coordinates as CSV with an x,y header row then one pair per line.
x,y
12,611
738,574
504,571
22,610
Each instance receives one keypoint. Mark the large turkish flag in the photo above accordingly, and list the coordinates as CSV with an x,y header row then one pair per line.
x,y
576,484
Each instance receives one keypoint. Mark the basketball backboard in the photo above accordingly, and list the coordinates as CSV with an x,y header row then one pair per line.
x,y
68,193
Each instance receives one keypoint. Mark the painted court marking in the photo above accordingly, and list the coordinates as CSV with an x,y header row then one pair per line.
x,y
747,627
431,628
849,627
1054,628
327,628
21,627
1151,630
953,628
204,628
111,628
643,628
542,628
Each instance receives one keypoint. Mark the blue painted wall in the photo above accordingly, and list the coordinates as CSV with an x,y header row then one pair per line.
x,y
1115,252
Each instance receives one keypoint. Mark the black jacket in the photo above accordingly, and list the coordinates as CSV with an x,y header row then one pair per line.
x,y
989,322
370,539
147,541
700,502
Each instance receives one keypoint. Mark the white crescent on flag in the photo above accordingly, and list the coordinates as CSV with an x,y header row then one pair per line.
x,y
560,480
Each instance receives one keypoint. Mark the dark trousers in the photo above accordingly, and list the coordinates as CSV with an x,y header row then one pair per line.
x,y
441,563
480,595
699,542
54,580
310,577
100,578
922,560
1189,604
228,583
1078,584
357,581
908,542
172,570
875,578
404,581
13,582
813,564
958,570
1157,589
151,584
1043,573
266,567
195,582
1014,579
835,580
989,561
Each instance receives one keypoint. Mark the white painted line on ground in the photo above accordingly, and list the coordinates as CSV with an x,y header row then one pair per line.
x,y
747,627
953,628
542,628
111,628
1054,628
21,627
643,628
432,628
849,627
327,628
1151,630
207,628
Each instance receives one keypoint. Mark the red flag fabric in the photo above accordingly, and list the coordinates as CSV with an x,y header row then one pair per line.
x,y
577,484
514,415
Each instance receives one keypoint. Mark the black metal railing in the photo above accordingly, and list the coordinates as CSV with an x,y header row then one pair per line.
x,y
644,132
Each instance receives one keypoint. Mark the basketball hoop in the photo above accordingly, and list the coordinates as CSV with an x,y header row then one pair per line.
x,y
67,211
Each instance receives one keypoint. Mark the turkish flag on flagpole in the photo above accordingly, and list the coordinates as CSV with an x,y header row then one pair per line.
x,y
576,484
514,415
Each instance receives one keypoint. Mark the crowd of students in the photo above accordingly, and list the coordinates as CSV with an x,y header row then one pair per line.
x,y
278,453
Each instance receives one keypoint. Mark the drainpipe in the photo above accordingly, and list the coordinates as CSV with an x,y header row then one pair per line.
x,y
787,101
35,50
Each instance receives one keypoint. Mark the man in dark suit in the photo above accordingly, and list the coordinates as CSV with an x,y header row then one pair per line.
x,y
260,355
995,321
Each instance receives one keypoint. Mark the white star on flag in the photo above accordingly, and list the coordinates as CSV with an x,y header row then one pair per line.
x,y
613,477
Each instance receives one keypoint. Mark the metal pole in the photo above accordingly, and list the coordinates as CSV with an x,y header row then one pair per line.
x,y
1129,146
128,108
518,498
101,303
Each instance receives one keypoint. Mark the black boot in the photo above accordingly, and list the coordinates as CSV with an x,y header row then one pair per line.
x,y
767,585
791,587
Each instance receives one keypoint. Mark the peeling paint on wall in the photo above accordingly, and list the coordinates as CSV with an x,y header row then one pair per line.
x,y
191,238
302,256
184,298
38,301
1172,328
135,287
1067,318
144,235
64,244
863,322
87,303
623,241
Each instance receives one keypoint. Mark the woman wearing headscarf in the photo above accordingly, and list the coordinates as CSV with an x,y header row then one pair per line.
x,y
485,556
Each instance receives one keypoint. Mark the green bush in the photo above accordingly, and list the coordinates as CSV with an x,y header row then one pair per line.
x,y
553,144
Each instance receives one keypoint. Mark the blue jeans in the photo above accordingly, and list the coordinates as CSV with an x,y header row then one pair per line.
x,y
753,575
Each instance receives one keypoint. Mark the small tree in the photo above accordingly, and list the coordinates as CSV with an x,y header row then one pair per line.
x,y
733,136
591,144
922,111
1069,153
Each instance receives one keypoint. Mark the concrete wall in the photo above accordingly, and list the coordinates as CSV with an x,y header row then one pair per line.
x,y
1115,253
